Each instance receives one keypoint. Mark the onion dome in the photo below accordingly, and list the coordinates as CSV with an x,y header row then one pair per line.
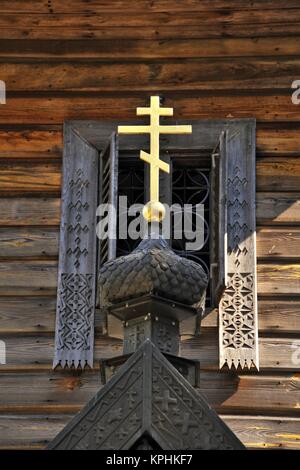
x,y
152,268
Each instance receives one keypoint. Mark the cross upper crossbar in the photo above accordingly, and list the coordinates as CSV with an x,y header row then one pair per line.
x,y
155,129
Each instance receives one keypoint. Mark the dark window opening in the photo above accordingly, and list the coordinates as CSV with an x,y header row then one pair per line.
x,y
146,442
131,185
190,183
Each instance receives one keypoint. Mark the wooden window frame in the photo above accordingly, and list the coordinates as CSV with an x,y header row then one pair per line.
x,y
236,273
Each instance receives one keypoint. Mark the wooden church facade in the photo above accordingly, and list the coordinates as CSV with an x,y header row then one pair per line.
x,y
99,60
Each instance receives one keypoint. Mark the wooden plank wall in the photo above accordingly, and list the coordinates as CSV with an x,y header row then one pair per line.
x,y
99,60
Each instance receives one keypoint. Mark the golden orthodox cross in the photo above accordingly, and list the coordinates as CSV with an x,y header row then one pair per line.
x,y
154,129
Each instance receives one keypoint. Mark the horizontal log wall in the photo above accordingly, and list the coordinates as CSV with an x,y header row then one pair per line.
x,y
100,60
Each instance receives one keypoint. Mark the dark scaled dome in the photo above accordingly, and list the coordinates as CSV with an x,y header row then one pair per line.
x,y
152,268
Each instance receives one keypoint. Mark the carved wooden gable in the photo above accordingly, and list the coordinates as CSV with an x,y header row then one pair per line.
x,y
146,396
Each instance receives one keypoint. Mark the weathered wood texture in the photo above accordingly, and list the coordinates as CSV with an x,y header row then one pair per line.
x,y
69,391
275,352
36,277
100,60
37,315
34,242
272,208
22,431
44,141
29,242
72,76
276,174
53,107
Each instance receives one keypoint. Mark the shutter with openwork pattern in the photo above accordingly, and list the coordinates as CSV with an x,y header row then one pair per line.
x,y
238,329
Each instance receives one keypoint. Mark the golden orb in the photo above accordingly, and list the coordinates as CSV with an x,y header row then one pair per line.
x,y
154,211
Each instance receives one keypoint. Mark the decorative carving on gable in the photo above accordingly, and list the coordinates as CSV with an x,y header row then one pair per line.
x,y
112,417
147,395
181,416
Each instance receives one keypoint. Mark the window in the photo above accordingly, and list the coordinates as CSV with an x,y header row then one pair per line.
x,y
221,152
190,184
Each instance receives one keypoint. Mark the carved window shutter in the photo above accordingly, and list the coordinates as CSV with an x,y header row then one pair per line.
x,y
238,329
218,219
108,194
87,178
